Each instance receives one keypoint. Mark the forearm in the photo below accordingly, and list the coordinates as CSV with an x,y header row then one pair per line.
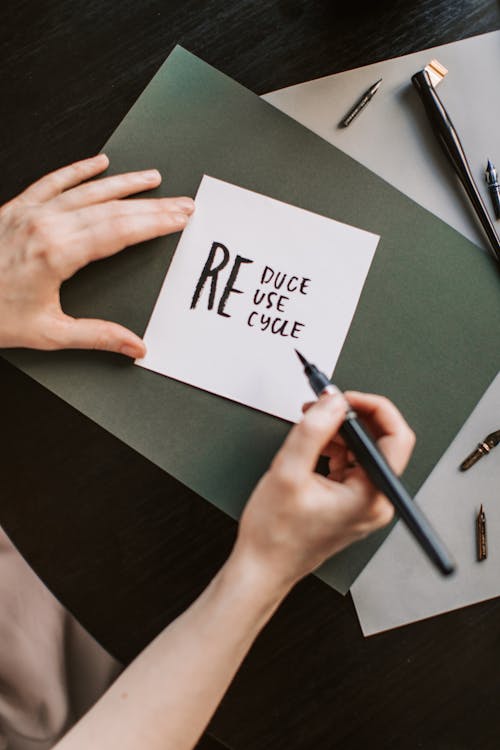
x,y
166,697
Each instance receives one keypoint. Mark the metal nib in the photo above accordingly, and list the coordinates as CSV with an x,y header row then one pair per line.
x,y
490,173
482,543
489,442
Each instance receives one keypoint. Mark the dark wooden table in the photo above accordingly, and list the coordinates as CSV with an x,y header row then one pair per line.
x,y
123,545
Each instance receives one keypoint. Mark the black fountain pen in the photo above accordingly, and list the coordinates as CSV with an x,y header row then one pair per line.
x,y
381,474
450,143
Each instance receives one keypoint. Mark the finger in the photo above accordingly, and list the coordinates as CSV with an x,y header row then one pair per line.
x,y
379,411
87,333
54,183
91,215
337,475
109,237
381,512
396,438
305,441
307,406
334,445
337,457
397,451
375,510
338,439
109,188
342,464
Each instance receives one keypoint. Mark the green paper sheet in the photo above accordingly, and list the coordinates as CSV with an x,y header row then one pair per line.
x,y
425,332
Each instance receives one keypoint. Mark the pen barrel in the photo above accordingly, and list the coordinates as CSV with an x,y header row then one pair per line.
x,y
494,190
382,476
450,142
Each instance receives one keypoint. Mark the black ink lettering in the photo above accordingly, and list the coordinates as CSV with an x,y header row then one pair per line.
x,y
279,326
264,322
270,296
278,282
303,286
281,302
289,286
229,288
207,272
256,299
263,279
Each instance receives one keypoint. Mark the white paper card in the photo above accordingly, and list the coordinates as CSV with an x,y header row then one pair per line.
x,y
399,585
253,278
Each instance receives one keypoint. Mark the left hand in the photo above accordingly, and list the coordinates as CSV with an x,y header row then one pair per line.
x,y
56,227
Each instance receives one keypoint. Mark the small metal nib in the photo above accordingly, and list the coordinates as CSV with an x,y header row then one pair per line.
x,y
489,442
491,173
482,544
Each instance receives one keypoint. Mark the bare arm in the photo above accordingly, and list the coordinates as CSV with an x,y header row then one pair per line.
x,y
293,521
166,697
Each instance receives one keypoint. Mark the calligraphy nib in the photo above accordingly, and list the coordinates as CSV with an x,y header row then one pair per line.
x,y
302,359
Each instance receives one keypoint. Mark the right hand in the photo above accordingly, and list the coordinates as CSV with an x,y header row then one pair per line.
x,y
296,518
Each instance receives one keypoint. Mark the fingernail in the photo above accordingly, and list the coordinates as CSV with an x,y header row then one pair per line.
x,y
101,157
129,350
152,175
180,219
185,204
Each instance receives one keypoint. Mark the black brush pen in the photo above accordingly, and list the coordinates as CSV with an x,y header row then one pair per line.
x,y
381,474
450,143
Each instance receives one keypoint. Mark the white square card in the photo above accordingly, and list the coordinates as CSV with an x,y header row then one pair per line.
x,y
251,280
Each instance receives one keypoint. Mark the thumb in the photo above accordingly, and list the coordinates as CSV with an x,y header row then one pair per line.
x,y
305,441
87,333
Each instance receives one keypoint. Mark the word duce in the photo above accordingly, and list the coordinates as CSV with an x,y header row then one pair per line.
x,y
283,280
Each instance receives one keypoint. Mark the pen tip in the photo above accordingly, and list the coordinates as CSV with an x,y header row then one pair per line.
x,y
490,165
302,359
481,509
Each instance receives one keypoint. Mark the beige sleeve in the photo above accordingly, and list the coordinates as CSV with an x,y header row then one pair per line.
x,y
51,670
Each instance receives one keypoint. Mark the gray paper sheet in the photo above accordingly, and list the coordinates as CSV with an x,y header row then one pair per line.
x,y
392,136
399,586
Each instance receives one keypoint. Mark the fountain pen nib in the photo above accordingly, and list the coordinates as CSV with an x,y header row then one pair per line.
x,y
489,442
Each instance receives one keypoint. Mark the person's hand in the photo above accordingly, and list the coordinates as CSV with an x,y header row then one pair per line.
x,y
56,227
296,518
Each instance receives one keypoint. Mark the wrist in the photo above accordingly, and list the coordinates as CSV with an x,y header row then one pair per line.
x,y
254,581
